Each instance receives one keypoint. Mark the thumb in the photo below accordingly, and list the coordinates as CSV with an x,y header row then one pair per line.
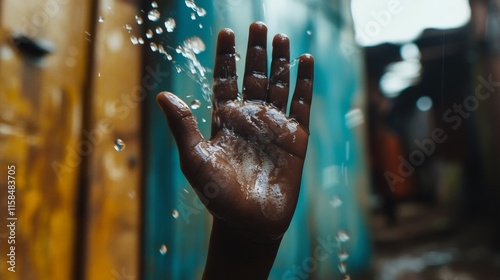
x,y
181,122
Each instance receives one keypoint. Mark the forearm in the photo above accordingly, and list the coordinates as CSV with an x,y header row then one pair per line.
x,y
232,257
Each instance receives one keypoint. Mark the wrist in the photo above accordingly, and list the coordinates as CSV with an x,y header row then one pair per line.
x,y
236,255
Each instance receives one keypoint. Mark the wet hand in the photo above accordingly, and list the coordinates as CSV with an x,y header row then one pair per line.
x,y
248,174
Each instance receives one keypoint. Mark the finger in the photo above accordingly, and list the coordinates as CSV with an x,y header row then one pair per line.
x,y
185,130
255,77
280,73
225,79
302,96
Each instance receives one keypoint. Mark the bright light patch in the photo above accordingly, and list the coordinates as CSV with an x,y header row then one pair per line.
x,y
400,21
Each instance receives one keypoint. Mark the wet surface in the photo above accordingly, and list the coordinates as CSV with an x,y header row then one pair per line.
x,y
425,245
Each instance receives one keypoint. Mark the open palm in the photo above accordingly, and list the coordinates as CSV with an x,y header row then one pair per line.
x,y
248,174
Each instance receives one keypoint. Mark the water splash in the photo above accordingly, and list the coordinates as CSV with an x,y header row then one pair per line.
x,y
198,10
189,49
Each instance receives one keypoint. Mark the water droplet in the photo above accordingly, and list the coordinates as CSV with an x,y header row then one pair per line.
x,y
178,69
342,236
175,214
141,41
101,19
170,24
131,194
301,100
203,120
161,49
335,202
193,16
163,249
134,40
159,30
342,267
200,26
194,44
169,57
128,27
195,104
139,20
154,15
190,4
209,106
119,145
154,4
149,34
343,255
308,32
185,190
237,56
99,74
153,46
201,12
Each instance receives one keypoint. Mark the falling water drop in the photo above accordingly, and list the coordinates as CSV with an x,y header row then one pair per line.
x,y
128,27
141,41
153,46
190,4
193,16
170,24
119,145
149,34
131,194
342,236
175,214
154,4
203,120
237,56
342,267
159,30
139,20
336,202
134,40
343,255
163,249
195,104
101,19
153,15
308,32
99,74
200,26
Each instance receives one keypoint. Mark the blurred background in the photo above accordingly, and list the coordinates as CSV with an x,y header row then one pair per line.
x,y
401,179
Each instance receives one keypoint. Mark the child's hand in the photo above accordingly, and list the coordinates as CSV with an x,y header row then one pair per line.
x,y
248,174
